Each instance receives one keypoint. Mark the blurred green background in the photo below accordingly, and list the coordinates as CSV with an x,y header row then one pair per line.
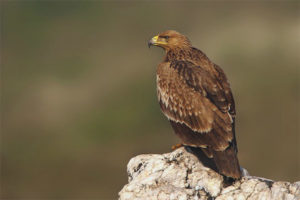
x,y
78,89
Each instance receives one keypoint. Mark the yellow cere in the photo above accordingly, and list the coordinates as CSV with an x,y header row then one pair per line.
x,y
154,39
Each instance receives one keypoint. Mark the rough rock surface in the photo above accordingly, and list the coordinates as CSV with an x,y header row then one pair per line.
x,y
179,175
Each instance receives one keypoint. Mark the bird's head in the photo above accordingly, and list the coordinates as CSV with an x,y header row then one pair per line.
x,y
169,40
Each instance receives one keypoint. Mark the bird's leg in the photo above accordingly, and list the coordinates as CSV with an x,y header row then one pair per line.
x,y
176,146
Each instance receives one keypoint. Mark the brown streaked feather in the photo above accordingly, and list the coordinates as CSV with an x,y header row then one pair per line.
x,y
204,82
181,103
213,139
228,94
183,91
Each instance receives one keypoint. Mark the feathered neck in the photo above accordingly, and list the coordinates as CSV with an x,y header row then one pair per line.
x,y
178,54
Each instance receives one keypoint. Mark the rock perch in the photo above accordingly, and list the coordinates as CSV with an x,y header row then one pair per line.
x,y
179,175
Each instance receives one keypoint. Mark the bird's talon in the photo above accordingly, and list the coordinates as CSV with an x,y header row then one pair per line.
x,y
176,146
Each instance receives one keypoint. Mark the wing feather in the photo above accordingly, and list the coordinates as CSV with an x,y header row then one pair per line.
x,y
194,97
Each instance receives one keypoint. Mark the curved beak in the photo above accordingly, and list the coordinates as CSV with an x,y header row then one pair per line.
x,y
153,41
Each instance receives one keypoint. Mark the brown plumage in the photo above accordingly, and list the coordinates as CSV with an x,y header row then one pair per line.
x,y
195,96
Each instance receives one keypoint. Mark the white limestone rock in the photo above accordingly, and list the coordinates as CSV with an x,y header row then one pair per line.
x,y
179,175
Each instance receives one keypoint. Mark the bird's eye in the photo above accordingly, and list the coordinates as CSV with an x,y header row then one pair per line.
x,y
165,37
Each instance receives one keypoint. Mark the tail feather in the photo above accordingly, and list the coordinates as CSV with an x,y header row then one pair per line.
x,y
214,146
227,162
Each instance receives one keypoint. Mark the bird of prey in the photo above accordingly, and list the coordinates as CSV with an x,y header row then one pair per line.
x,y
195,96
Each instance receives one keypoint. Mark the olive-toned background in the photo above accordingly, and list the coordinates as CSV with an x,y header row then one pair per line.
x,y
78,91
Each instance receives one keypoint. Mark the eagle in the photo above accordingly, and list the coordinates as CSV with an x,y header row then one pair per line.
x,y
195,96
